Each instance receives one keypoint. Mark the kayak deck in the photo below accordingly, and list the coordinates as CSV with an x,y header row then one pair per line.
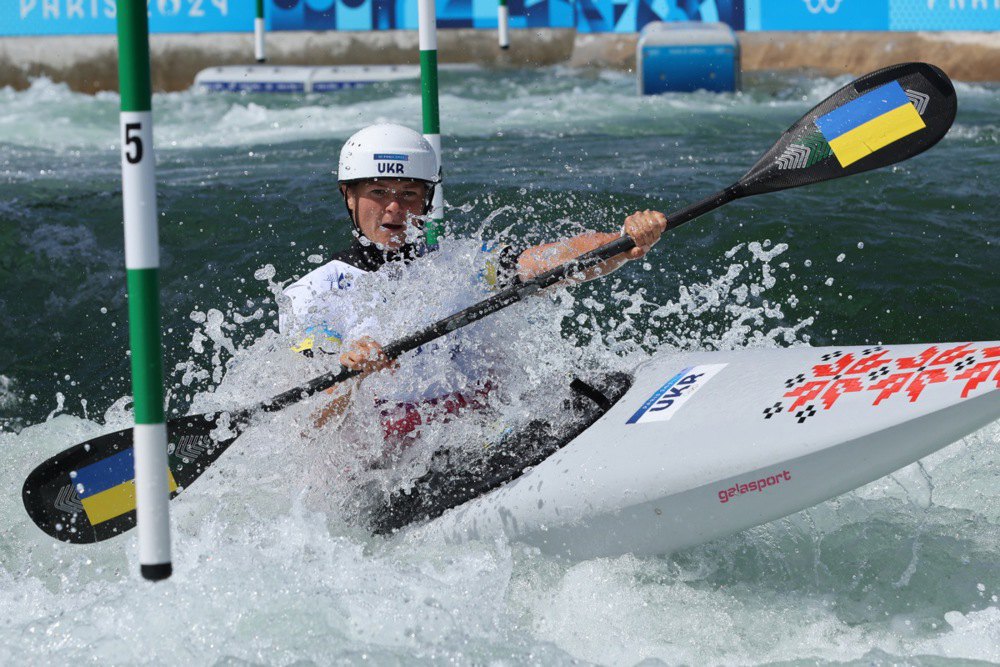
x,y
706,444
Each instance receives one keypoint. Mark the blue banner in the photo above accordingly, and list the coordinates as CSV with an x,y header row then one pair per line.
x,y
89,17
632,15
98,17
872,15
817,14
584,15
402,14
944,15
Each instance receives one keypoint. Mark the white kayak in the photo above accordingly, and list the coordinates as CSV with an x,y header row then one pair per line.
x,y
706,444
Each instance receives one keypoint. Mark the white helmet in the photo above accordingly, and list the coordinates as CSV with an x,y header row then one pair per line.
x,y
387,150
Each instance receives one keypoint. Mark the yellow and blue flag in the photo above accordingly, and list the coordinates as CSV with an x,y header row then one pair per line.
x,y
325,333
872,121
107,488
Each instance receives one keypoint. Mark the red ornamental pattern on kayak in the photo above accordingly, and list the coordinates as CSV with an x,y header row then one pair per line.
x,y
876,370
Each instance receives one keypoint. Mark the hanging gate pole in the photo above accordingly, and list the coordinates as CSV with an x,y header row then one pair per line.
x,y
258,33
503,32
427,31
142,264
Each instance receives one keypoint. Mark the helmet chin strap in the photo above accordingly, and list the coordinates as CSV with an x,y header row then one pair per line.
x,y
354,221
429,199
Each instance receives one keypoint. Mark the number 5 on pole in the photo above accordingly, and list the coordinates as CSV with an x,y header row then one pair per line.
x,y
132,144
152,485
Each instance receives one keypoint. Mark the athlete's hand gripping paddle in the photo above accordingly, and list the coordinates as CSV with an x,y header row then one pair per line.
x,y
86,494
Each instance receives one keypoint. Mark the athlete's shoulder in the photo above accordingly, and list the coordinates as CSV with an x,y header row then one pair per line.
x,y
493,262
473,248
336,274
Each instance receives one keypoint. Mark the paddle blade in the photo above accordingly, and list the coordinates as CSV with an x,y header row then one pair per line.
x,y
86,493
880,119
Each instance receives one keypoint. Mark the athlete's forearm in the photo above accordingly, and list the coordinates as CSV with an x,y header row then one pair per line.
x,y
335,409
541,258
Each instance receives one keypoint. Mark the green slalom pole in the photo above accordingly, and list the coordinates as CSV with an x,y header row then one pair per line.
x,y
258,33
503,18
142,264
427,31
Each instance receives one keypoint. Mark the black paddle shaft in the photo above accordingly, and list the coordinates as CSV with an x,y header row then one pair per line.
x,y
474,313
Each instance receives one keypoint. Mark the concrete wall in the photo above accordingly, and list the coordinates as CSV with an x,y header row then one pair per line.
x,y
89,63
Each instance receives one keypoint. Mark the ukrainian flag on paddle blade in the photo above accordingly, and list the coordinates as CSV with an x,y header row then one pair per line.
x,y
107,488
872,121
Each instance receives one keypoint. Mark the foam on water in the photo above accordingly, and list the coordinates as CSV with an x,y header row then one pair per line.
x,y
259,577
8,397
268,568
38,117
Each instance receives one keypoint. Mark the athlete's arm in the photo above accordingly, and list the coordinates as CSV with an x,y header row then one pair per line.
x,y
363,354
645,228
335,408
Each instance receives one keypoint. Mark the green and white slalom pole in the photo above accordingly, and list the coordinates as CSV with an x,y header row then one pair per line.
x,y
503,19
258,33
142,262
427,31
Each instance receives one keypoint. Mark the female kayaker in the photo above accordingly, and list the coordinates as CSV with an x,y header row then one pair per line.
x,y
387,174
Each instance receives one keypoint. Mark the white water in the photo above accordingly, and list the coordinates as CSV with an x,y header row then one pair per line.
x,y
268,570
194,119
487,105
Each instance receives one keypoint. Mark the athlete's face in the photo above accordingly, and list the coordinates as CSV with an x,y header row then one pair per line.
x,y
384,208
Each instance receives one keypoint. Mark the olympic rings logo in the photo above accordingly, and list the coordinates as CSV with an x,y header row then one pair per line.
x,y
817,6
169,7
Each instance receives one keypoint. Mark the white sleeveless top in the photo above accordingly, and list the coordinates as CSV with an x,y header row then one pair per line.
x,y
339,302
